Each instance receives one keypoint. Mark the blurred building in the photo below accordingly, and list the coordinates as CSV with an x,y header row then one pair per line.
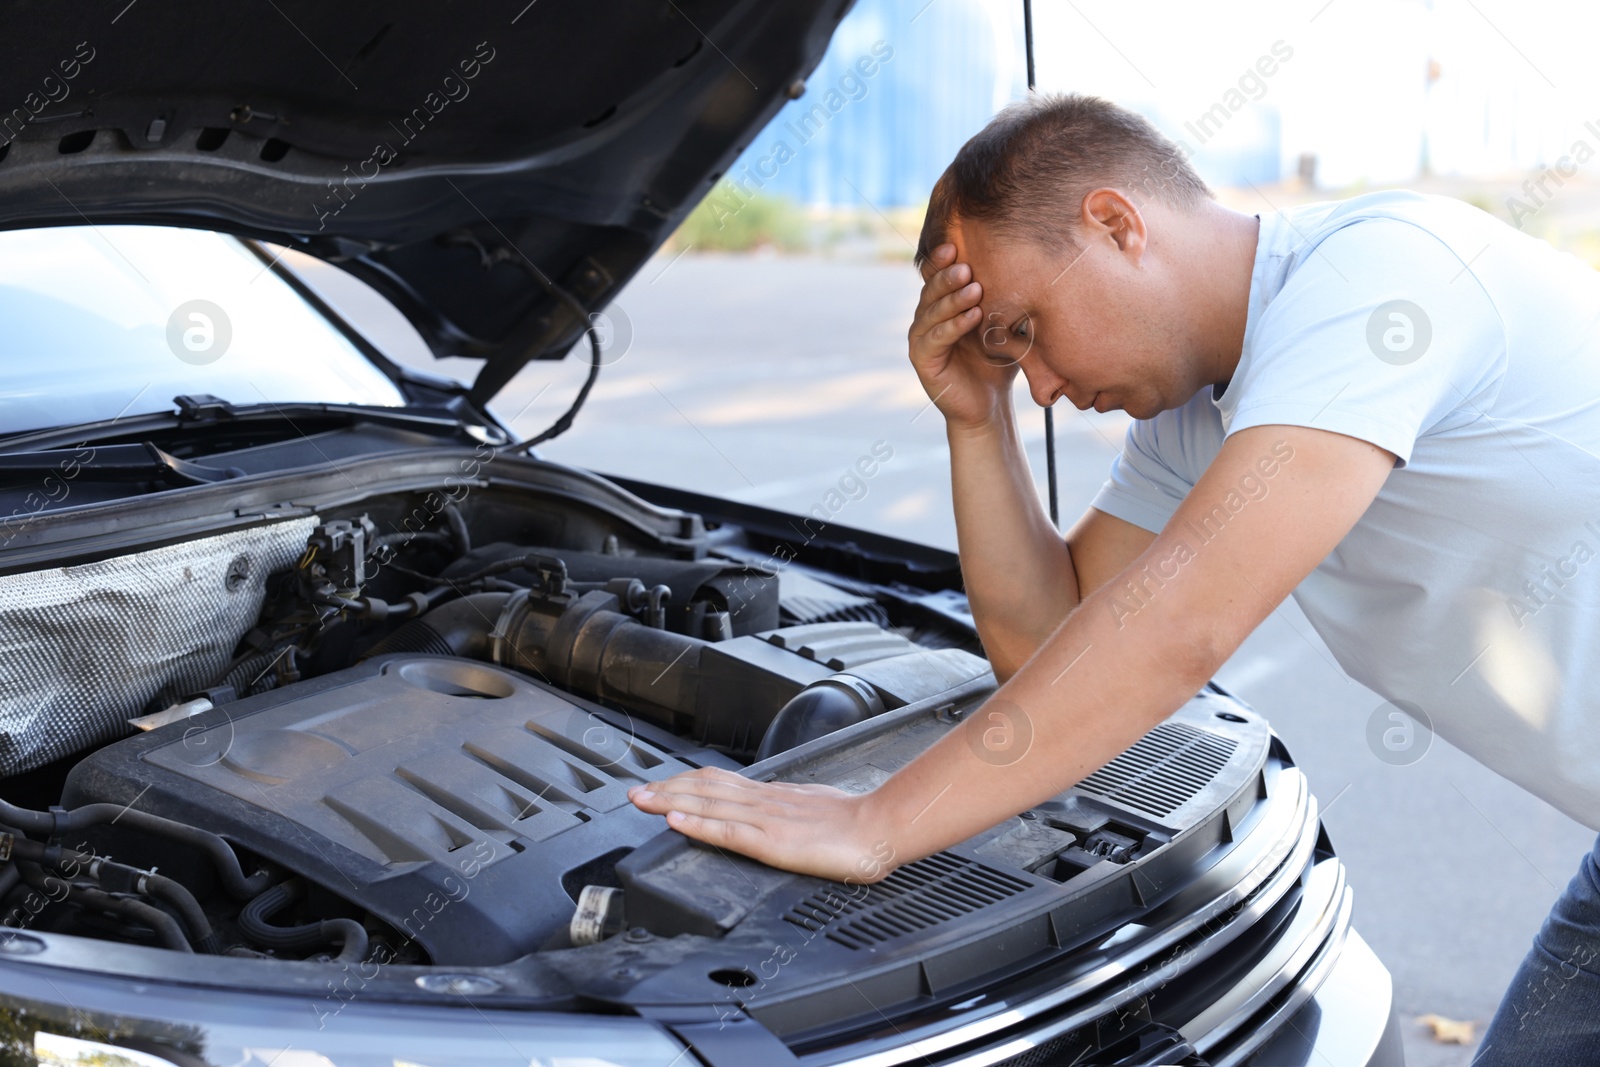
x,y
1346,92
938,71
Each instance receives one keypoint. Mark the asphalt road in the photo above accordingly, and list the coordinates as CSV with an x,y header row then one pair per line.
x,y
764,379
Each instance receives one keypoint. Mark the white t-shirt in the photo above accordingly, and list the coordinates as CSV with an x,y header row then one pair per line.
x,y
1470,588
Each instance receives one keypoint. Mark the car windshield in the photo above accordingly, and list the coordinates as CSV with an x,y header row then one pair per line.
x,y
103,322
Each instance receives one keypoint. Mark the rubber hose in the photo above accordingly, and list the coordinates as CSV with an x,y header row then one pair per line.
x,y
459,628
458,528
243,677
159,886
406,537
246,670
164,925
183,902
222,856
528,561
254,920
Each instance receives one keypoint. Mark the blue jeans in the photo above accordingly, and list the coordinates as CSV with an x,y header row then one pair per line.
x,y
1550,1014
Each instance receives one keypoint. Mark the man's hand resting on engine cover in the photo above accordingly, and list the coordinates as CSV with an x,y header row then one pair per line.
x,y
813,829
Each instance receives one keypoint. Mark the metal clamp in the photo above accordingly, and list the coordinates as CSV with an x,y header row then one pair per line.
x,y
510,616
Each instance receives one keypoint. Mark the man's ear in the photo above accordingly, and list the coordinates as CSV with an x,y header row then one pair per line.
x,y
1108,214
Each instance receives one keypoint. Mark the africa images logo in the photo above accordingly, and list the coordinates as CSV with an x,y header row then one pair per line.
x,y
199,332
1399,332
1399,733
1000,733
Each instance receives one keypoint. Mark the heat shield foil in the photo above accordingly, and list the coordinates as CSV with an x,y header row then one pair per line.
x,y
83,648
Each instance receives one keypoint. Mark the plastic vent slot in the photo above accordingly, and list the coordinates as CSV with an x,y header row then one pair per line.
x,y
1163,770
806,600
806,609
921,894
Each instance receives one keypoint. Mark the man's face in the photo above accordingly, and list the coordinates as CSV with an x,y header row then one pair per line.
x,y
1092,324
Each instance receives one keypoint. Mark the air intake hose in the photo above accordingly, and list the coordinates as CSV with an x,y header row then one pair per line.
x,y
729,694
584,644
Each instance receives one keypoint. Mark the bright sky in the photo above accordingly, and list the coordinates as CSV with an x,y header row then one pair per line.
x,y
1515,82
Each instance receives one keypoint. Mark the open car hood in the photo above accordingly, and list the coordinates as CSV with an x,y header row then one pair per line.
x,y
458,157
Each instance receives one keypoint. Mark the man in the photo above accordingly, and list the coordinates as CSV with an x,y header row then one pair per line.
x,y
1387,406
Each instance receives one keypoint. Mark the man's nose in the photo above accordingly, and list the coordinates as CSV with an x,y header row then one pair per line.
x,y
1043,384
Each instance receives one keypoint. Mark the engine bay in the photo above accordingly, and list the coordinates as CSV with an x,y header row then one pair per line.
x,y
377,743
417,744
409,770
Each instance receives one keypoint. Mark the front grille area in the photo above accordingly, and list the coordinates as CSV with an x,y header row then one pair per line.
x,y
1151,1044
1163,770
921,894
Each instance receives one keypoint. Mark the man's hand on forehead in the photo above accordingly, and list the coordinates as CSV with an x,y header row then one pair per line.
x,y
939,259
947,345
957,273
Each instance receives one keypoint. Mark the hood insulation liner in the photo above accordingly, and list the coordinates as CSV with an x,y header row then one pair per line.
x,y
84,648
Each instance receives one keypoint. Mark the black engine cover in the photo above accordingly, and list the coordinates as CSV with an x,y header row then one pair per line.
x,y
463,804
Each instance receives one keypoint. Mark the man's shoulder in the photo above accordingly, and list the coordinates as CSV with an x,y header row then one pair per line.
x,y
1406,205
1391,221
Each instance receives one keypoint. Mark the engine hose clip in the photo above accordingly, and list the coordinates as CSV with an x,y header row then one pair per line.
x,y
657,613
629,592
500,646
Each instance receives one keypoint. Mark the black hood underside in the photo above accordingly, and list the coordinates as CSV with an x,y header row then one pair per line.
x,y
475,162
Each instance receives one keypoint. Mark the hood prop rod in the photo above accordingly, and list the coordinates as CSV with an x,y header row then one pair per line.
x,y
1050,412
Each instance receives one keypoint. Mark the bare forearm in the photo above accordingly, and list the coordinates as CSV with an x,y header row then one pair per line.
x,y
1092,689
1017,569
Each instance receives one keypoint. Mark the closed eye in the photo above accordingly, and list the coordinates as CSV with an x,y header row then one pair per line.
x,y
999,337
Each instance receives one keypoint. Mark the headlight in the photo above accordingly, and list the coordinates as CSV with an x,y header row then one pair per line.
x,y
241,1035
